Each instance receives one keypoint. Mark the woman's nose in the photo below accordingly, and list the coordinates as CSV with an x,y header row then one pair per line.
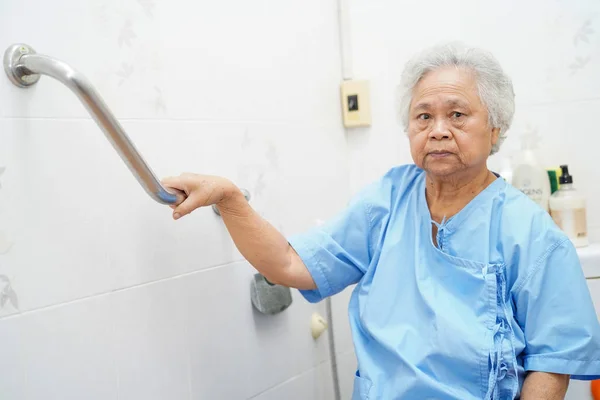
x,y
440,130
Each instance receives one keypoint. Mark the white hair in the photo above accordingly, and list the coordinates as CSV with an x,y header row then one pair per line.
x,y
494,86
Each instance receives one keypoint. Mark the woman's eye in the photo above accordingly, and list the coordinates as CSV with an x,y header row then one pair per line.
x,y
423,116
457,114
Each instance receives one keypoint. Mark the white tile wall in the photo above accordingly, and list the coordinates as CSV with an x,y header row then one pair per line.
x,y
230,341
12,359
313,384
110,298
53,211
193,336
68,351
224,61
151,344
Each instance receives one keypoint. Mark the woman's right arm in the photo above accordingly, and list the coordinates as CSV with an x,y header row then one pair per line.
x,y
257,240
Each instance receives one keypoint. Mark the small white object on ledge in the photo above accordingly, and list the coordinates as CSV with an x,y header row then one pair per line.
x,y
318,325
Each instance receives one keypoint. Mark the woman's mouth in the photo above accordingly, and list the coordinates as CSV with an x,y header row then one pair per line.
x,y
440,154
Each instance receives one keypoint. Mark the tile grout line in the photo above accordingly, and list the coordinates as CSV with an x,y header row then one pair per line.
x,y
108,293
291,379
174,120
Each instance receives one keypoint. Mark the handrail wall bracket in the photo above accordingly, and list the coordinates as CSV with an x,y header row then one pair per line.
x,y
18,74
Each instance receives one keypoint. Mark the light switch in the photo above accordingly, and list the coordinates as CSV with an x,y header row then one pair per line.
x,y
356,107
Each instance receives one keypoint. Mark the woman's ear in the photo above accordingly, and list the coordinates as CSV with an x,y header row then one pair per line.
x,y
495,135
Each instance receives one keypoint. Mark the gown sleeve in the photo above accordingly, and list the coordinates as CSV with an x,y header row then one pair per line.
x,y
555,310
339,253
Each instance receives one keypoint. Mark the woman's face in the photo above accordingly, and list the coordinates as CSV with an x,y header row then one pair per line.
x,y
448,125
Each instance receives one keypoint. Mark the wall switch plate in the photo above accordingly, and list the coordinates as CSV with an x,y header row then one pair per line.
x,y
356,103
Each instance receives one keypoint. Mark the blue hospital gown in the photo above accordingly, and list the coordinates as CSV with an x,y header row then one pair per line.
x,y
502,293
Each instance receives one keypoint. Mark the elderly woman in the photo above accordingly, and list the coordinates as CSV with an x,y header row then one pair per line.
x,y
466,289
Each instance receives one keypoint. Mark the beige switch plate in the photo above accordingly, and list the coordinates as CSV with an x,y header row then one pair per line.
x,y
356,103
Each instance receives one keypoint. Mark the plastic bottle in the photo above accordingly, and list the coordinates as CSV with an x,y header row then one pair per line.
x,y
568,209
553,175
528,176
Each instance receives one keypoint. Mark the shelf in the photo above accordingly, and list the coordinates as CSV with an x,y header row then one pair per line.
x,y
590,260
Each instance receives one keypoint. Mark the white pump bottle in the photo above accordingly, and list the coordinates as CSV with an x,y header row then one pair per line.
x,y
528,175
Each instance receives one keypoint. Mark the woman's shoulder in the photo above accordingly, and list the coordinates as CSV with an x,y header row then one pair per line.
x,y
383,195
528,232
396,179
519,212
404,172
402,177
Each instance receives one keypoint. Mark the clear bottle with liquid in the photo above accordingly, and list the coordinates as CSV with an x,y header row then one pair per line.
x,y
528,176
568,209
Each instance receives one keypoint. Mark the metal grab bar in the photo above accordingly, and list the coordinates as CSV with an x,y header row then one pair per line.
x,y
24,67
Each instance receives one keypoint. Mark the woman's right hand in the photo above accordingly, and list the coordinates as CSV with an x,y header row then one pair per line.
x,y
257,240
200,191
